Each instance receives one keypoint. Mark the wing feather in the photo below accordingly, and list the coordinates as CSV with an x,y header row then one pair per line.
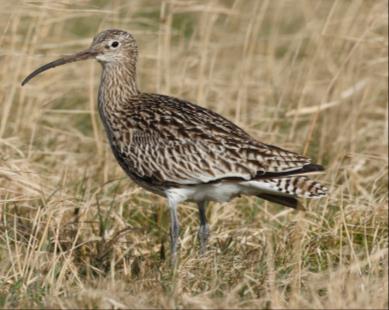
x,y
174,141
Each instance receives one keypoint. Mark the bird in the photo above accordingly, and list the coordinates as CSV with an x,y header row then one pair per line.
x,y
181,150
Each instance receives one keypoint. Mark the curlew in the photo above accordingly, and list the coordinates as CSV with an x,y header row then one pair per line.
x,y
182,151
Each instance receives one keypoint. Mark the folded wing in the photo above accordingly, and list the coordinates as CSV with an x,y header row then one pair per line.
x,y
182,143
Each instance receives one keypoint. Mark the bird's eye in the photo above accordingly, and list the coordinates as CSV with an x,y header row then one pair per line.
x,y
115,44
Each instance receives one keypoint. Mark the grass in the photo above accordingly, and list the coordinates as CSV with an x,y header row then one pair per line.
x,y
310,76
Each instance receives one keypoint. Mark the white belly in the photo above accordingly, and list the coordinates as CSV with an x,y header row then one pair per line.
x,y
220,192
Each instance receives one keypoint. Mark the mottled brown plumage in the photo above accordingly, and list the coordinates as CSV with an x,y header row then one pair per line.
x,y
187,144
183,151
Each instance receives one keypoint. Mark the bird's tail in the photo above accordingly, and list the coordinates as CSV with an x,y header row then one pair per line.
x,y
287,190
298,186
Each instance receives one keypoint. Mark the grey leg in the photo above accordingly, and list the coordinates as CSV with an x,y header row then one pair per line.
x,y
204,229
174,230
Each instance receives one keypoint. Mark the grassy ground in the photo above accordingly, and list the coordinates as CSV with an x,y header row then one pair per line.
x,y
310,76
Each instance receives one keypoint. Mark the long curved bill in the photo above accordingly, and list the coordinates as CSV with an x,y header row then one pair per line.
x,y
86,54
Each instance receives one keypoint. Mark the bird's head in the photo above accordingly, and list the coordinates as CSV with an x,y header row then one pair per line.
x,y
111,46
114,45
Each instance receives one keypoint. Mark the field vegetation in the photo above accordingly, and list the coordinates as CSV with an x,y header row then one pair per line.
x,y
310,76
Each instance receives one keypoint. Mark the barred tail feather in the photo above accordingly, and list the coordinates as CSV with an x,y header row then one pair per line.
x,y
298,186
285,191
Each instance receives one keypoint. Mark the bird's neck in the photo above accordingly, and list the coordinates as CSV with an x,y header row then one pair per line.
x,y
118,83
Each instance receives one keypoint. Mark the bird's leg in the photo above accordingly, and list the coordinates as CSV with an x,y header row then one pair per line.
x,y
204,229
174,230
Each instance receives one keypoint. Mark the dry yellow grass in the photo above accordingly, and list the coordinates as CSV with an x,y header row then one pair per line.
x,y
308,75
